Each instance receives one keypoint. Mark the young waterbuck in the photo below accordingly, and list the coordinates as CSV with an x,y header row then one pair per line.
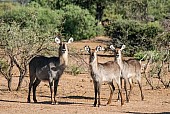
x,y
130,69
49,69
103,72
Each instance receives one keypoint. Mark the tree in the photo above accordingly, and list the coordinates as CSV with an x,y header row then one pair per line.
x,y
20,45
79,23
95,7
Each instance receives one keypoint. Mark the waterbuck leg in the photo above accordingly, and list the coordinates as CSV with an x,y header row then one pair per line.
x,y
98,90
120,91
118,96
131,87
29,92
95,96
112,88
125,87
51,91
36,83
32,78
142,96
55,90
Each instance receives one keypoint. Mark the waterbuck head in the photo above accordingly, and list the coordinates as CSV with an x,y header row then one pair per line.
x,y
117,51
93,52
63,49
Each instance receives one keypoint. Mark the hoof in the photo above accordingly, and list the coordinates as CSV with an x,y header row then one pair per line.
x,y
142,98
122,103
54,103
28,101
35,101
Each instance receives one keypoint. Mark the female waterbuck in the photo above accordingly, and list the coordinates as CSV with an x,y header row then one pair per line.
x,y
48,69
130,69
103,72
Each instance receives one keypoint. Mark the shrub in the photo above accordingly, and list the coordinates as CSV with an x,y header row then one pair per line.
x,y
79,23
139,55
71,21
137,36
110,13
75,70
7,6
46,19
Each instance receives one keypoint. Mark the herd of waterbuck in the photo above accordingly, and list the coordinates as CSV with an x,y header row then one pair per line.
x,y
51,69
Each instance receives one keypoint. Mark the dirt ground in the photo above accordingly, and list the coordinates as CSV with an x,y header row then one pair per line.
x,y
75,95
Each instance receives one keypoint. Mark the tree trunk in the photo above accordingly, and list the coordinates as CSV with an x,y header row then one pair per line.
x,y
20,83
22,75
9,83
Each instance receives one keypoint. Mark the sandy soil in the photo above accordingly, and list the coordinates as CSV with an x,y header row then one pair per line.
x,y
76,96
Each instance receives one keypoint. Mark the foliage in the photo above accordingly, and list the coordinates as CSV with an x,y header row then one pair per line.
x,y
53,4
162,40
143,9
29,16
159,8
135,35
79,23
20,45
90,5
154,55
3,64
71,21
132,9
140,55
7,6
110,14
75,70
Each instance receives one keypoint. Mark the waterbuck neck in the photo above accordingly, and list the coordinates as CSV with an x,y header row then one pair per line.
x,y
94,62
63,54
119,59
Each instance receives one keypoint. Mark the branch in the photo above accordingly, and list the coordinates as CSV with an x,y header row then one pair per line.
x,y
143,58
149,82
3,73
73,54
8,73
36,53
159,76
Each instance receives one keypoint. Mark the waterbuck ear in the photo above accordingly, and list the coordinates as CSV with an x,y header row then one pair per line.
x,y
87,48
99,48
57,40
123,47
70,40
112,47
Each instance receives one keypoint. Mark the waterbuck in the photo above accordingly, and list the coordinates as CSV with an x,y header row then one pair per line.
x,y
130,69
49,69
103,72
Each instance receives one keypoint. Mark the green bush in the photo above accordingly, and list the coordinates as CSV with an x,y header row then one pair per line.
x,y
140,55
158,8
135,35
46,19
7,6
71,21
162,40
79,23
110,14
75,70
3,65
